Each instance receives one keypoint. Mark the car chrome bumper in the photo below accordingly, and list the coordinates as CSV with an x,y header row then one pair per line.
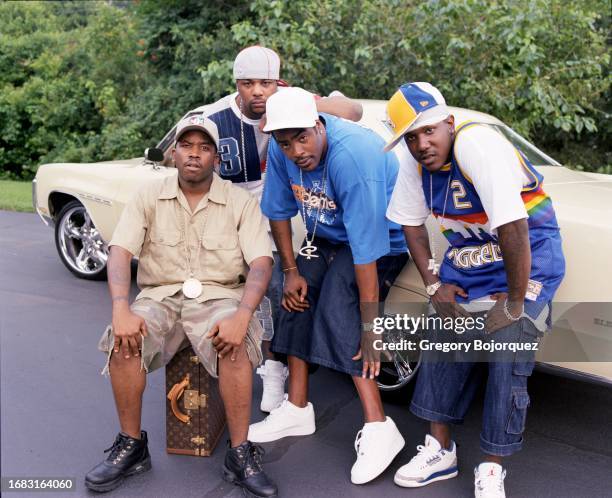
x,y
47,220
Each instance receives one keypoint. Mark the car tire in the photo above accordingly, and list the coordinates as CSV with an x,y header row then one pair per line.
x,y
79,244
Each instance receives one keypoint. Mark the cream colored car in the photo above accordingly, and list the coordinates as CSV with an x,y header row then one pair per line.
x,y
83,203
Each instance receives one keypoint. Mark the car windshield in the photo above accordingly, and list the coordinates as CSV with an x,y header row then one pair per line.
x,y
535,155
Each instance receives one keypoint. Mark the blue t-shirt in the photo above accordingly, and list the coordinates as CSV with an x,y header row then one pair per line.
x,y
360,180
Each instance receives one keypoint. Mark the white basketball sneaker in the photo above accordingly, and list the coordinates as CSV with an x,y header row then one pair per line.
x,y
273,374
430,464
377,444
489,481
286,420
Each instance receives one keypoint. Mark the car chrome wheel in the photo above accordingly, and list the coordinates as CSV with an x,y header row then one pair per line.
x,y
79,243
402,366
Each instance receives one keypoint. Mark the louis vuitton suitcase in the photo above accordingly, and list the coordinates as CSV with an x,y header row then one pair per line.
x,y
195,417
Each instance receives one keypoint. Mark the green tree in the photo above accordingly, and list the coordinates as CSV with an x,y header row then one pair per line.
x,y
86,81
65,76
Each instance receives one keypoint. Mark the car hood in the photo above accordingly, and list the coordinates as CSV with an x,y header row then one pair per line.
x,y
579,194
95,169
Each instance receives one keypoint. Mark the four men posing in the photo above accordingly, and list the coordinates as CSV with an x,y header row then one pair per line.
x,y
206,262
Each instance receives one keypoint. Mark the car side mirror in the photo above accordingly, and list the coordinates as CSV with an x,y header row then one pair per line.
x,y
153,154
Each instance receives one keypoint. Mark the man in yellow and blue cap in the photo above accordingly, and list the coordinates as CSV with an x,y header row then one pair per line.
x,y
501,270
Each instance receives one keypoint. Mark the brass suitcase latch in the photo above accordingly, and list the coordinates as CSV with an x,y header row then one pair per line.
x,y
198,440
193,400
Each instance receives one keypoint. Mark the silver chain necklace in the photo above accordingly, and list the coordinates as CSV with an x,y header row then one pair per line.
x,y
309,250
432,265
244,161
192,287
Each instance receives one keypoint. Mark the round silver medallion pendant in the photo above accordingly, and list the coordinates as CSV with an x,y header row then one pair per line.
x,y
192,288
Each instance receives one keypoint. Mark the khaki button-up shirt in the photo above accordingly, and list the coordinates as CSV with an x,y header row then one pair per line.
x,y
214,243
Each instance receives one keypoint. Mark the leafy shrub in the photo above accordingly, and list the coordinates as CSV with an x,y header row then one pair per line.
x,y
89,81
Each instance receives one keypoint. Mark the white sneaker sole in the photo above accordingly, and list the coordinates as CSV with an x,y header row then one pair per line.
x,y
275,436
446,474
393,452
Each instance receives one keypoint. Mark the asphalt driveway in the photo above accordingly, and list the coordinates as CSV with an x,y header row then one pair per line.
x,y
57,412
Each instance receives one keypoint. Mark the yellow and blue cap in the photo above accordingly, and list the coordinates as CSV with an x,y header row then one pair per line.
x,y
414,105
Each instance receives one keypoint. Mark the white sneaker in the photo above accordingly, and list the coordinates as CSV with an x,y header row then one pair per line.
x,y
489,481
286,420
273,373
430,464
377,444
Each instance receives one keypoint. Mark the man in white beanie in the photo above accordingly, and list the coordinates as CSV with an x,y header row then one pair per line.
x,y
501,269
243,151
335,174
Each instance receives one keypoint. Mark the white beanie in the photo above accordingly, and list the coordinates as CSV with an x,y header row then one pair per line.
x,y
257,62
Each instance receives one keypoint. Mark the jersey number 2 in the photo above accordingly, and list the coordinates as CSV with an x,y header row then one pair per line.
x,y
458,194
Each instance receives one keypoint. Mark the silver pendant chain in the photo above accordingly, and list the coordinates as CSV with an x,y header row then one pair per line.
x,y
435,267
244,158
309,242
187,252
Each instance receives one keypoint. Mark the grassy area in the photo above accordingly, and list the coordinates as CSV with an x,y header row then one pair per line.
x,y
16,196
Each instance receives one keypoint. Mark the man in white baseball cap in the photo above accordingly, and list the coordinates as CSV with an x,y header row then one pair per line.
x,y
336,175
243,150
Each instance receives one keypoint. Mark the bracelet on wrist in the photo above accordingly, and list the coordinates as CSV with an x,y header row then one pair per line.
x,y
433,288
509,315
290,268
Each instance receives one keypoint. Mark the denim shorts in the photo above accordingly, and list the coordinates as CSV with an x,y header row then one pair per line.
x,y
329,332
444,389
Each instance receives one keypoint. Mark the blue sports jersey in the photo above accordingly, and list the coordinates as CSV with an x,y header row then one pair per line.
x,y
230,148
360,180
473,260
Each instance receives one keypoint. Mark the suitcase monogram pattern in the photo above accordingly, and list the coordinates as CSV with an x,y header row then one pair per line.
x,y
195,417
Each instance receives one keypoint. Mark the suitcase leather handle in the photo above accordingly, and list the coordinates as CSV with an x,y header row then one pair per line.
x,y
175,393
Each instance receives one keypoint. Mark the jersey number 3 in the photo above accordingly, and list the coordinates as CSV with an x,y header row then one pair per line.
x,y
230,157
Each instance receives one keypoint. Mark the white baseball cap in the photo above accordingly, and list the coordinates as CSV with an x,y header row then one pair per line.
x,y
257,62
198,122
291,108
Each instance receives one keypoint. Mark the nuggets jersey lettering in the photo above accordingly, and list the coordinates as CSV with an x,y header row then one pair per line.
x,y
474,260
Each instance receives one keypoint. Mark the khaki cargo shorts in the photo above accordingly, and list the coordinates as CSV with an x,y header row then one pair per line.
x,y
174,323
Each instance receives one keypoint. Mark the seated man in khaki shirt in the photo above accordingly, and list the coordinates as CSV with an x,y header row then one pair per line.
x,y
205,261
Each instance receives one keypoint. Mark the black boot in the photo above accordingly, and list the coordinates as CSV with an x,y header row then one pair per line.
x,y
243,467
128,456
